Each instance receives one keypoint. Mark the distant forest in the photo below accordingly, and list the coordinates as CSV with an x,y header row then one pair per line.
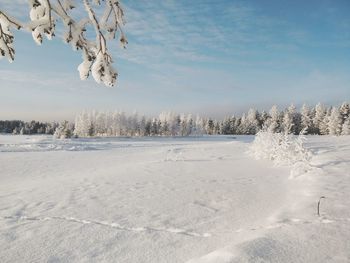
x,y
319,120
32,127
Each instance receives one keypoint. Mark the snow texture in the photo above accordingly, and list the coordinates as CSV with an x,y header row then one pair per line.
x,y
197,199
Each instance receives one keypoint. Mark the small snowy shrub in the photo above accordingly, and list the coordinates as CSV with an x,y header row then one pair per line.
x,y
283,149
63,131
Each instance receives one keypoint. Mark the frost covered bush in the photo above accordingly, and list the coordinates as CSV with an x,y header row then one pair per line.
x,y
283,149
44,15
64,131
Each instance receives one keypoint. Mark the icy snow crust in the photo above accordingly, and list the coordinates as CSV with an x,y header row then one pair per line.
x,y
201,199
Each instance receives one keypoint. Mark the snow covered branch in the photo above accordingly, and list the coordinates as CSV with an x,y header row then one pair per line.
x,y
44,14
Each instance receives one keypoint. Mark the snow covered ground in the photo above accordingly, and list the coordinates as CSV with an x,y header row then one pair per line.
x,y
170,200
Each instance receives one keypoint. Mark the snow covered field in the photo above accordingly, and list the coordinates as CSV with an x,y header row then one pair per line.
x,y
170,200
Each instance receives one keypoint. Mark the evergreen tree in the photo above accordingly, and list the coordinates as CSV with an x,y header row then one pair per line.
x,y
63,131
237,125
183,125
346,127
252,122
264,116
306,118
225,127
289,120
164,128
190,125
148,128
335,122
274,122
210,127
243,129
324,125
312,129
344,111
199,126
319,121
233,128
82,124
217,128
142,126
154,131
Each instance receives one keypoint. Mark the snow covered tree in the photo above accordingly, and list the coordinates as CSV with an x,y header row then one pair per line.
x,y
132,124
199,126
154,127
306,118
83,125
183,125
216,128
226,126
148,128
63,131
190,125
44,15
289,123
237,125
15,131
335,122
274,122
241,124
233,127
252,121
210,126
344,111
100,124
312,129
142,126
264,116
172,124
319,119
324,124
346,127
164,128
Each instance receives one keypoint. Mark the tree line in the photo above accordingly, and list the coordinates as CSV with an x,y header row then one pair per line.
x,y
319,120
32,127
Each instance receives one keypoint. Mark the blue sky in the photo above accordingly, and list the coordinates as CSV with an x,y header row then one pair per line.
x,y
201,56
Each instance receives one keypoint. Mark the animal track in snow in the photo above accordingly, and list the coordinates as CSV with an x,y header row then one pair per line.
x,y
111,225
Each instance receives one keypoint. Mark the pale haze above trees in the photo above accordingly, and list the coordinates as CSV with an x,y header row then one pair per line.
x,y
88,34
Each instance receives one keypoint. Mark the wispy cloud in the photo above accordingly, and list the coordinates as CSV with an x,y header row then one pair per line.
x,y
201,31
196,55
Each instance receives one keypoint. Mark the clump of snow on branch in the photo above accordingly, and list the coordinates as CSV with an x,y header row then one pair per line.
x,y
44,14
284,149
6,38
